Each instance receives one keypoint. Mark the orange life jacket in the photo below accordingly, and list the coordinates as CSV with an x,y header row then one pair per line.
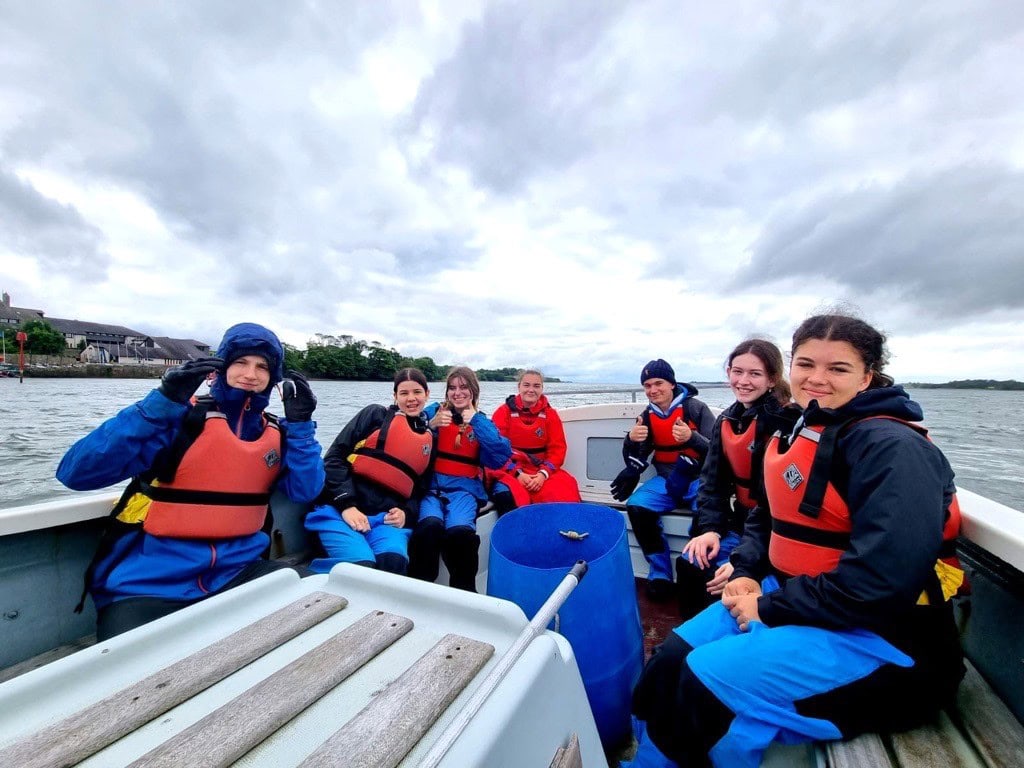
x,y
666,449
458,452
395,455
221,486
811,522
738,449
528,432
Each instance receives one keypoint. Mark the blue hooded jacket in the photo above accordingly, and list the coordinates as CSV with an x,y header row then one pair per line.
x,y
140,565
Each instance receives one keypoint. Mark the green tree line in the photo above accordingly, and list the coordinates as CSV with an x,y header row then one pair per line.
x,y
349,359
1008,384
43,338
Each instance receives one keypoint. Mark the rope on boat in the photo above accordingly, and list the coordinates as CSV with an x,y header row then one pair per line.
x,y
535,628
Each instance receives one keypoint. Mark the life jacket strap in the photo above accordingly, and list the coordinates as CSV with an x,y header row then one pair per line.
x,y
808,535
221,498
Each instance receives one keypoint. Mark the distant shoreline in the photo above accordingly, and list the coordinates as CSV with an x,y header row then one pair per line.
x,y
1009,385
106,371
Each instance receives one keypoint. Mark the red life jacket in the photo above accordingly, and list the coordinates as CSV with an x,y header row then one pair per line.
x,y
666,449
738,449
221,486
458,452
395,455
811,522
528,431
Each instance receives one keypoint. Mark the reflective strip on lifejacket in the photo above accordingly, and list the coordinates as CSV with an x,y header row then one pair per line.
x,y
666,449
400,461
738,449
221,487
458,452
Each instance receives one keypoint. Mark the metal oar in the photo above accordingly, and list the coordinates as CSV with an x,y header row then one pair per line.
x,y
535,628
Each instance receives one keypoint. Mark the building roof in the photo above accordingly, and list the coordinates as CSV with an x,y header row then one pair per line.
x,y
21,314
181,349
86,327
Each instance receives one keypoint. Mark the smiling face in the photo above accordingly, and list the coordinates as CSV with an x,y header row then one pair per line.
x,y
831,372
659,392
410,397
249,372
459,394
531,387
748,378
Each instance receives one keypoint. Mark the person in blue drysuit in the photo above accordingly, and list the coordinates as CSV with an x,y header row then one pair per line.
x,y
467,442
676,427
189,525
837,618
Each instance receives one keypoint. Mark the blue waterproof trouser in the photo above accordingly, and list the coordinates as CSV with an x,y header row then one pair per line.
x,y
762,673
645,507
347,545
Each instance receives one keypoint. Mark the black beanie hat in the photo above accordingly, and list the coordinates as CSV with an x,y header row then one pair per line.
x,y
658,369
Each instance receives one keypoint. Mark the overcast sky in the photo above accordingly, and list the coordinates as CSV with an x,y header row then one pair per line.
x,y
579,186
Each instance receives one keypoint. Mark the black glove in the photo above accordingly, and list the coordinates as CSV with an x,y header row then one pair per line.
x,y
298,399
626,481
181,382
678,483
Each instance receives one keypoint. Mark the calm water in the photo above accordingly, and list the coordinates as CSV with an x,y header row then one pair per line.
x,y
40,418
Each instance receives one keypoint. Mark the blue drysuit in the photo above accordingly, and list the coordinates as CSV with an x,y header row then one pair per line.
x,y
141,565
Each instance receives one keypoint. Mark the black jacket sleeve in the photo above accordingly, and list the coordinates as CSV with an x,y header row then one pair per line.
x,y
339,486
699,413
641,450
897,487
717,485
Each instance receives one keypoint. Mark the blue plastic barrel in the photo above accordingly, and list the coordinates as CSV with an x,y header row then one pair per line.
x,y
529,556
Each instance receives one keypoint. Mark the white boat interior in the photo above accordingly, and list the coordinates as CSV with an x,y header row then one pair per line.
x,y
44,549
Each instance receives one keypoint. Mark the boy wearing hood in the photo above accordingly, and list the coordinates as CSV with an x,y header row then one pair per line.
x,y
676,427
190,522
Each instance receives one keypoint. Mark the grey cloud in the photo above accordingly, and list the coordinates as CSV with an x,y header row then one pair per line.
x,y
950,243
812,61
516,97
171,103
55,234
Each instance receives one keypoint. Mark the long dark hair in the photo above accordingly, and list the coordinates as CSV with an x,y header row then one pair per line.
x,y
865,339
771,358
411,374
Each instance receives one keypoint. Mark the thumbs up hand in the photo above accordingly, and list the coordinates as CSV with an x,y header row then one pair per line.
x,y
639,432
680,431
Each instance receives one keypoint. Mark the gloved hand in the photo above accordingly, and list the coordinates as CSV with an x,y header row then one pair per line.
x,y
181,382
626,481
679,482
298,399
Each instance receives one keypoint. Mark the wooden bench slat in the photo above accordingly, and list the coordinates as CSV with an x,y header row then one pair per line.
x,y
227,733
46,657
993,729
568,756
384,731
89,730
868,749
933,745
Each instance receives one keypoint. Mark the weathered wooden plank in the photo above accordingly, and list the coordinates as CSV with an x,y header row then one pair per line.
x,y
223,736
84,733
993,729
388,727
865,750
568,756
46,657
934,744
